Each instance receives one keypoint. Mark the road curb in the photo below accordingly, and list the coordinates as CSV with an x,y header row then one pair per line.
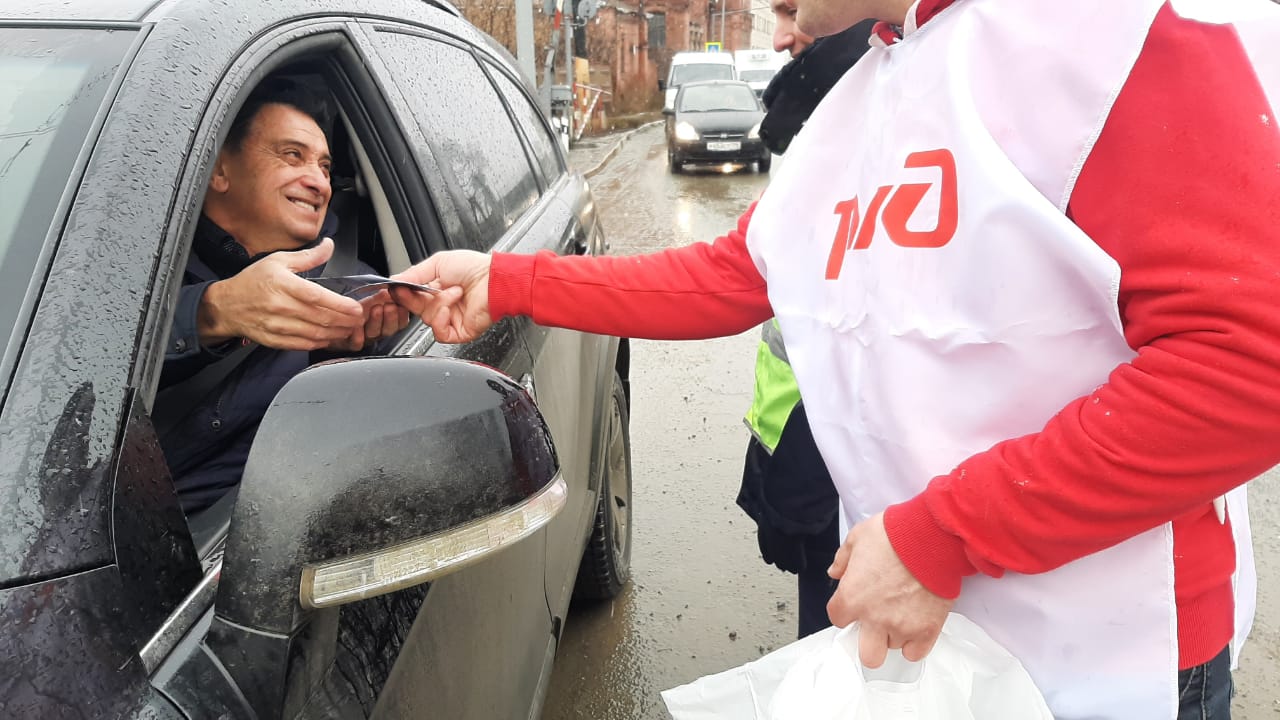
x,y
616,147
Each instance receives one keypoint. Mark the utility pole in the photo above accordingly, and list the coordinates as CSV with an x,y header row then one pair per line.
x,y
724,42
524,37
557,100
567,21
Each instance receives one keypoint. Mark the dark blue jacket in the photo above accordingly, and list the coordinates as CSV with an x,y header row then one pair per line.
x,y
208,447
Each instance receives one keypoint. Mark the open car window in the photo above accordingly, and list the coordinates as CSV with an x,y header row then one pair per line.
x,y
756,75
718,98
698,72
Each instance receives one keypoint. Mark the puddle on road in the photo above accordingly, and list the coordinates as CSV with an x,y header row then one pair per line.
x,y
700,599
644,207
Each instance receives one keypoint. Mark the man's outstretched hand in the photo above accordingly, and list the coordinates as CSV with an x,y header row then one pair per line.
x,y
892,608
460,311
268,303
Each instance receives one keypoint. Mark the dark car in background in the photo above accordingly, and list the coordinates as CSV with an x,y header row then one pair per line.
x,y
715,122
409,529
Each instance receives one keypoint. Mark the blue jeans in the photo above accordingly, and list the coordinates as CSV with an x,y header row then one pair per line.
x,y
1204,691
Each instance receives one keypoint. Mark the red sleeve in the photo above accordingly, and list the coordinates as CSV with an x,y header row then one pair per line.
x,y
1182,189
697,291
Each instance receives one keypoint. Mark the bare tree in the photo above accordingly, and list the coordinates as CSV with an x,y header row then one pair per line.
x,y
497,18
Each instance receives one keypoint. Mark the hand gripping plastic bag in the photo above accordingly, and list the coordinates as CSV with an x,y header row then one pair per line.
x,y
967,676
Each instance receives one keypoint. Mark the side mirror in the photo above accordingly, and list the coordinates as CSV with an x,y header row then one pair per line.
x,y
367,476
668,111
662,85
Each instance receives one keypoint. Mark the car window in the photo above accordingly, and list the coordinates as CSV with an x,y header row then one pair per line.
x,y
711,98
535,129
697,72
219,411
54,81
756,75
463,118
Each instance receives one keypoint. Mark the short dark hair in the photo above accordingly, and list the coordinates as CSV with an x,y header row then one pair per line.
x,y
279,91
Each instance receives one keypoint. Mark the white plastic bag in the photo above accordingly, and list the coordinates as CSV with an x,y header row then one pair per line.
x,y
968,676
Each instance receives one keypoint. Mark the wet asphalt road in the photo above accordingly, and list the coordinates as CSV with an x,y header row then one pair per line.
x,y
700,599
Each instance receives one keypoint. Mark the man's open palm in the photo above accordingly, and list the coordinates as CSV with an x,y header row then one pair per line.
x,y
269,304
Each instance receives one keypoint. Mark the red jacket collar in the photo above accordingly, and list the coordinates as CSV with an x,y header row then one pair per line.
x,y
924,10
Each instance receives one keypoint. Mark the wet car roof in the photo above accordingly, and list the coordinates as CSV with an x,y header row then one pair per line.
x,y
118,11
78,10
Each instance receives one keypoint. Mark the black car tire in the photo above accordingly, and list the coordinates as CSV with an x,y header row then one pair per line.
x,y
674,162
606,562
763,164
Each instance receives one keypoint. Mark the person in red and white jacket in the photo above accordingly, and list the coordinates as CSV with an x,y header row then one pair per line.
x,y
1174,192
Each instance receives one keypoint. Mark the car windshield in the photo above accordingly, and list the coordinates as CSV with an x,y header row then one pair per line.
x,y
54,81
711,98
698,72
756,75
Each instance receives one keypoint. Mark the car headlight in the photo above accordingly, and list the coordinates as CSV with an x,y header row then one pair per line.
x,y
755,132
685,131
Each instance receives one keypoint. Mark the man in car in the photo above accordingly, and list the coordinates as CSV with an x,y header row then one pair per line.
x,y
1032,324
247,319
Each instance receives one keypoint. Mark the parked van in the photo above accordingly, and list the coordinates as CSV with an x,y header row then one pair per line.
x,y
687,67
757,67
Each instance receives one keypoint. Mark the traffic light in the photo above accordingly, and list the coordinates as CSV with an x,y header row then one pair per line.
x,y
587,9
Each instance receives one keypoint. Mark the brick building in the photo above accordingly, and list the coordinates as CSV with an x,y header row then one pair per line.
x,y
635,39
687,25
674,26
629,43
617,42
729,22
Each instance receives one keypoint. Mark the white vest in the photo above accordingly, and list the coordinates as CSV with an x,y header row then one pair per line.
x,y
966,309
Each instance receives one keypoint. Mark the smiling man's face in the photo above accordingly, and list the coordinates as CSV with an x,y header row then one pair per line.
x,y
272,191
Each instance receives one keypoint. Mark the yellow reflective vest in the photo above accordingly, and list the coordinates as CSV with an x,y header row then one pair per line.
x,y
775,394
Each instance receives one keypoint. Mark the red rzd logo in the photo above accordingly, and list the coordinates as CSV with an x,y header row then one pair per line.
x,y
855,232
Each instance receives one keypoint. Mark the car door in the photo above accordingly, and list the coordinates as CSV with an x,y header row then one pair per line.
x,y
362,641
574,370
469,645
76,489
486,196
509,195
123,600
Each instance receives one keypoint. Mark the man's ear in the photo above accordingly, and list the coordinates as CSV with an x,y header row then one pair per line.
x,y
220,181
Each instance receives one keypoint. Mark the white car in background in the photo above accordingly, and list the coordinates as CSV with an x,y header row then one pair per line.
x,y
757,67
687,67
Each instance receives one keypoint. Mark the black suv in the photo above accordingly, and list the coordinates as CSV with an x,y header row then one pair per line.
x,y
409,529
